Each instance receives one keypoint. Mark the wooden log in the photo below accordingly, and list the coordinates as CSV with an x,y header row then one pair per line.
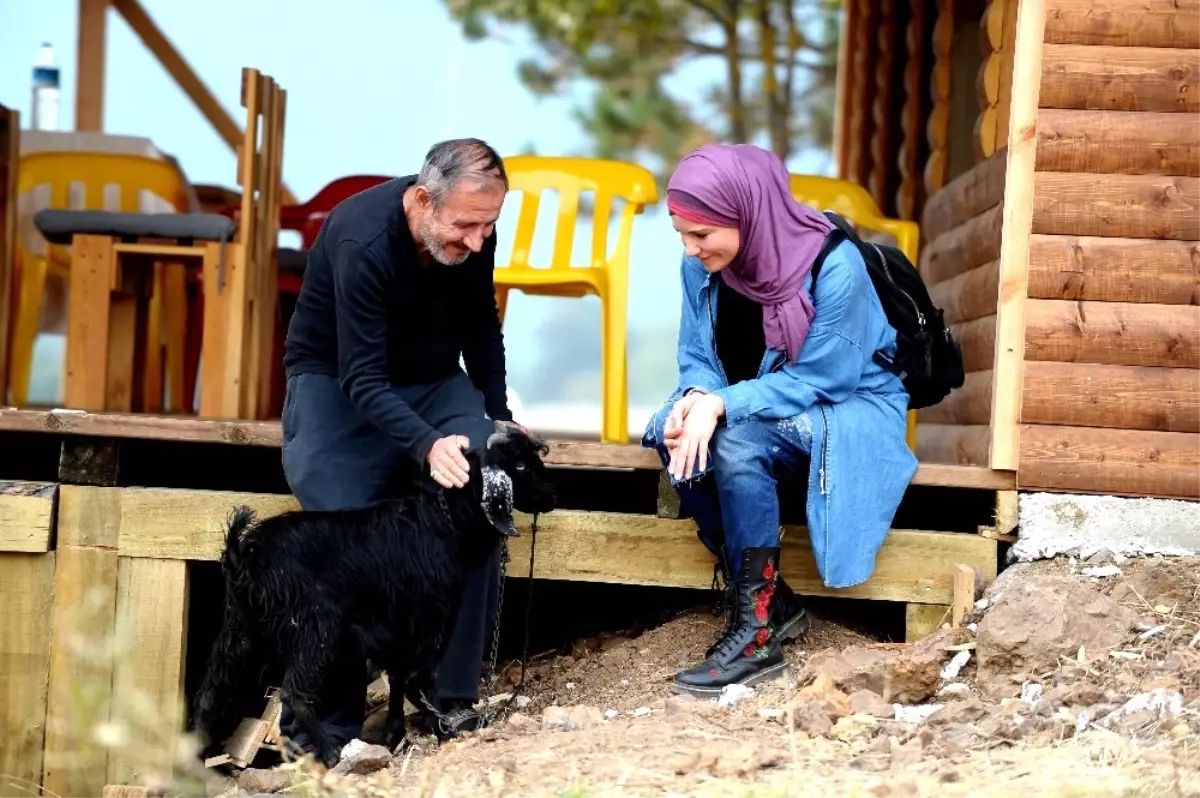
x,y
978,341
964,594
1120,461
1120,78
26,598
962,248
953,443
1124,23
1112,333
27,517
582,546
1114,270
970,404
970,295
965,197
1118,142
1124,206
1116,397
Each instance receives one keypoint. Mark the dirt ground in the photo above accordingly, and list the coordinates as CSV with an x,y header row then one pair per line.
x,y
1081,679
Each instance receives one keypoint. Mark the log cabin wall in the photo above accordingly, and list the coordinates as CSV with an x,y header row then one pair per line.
x,y
1111,387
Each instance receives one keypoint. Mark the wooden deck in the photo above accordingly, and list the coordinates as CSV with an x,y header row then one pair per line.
x,y
267,434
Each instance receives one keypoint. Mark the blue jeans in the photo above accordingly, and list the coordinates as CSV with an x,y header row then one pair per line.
x,y
734,499
334,458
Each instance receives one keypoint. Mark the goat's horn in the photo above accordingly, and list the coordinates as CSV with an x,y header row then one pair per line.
x,y
496,437
500,427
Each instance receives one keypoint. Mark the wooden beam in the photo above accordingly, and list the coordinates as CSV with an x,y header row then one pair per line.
x,y
27,517
1127,206
1114,269
26,597
1118,397
953,444
90,63
10,151
844,86
267,433
1113,333
173,62
970,404
1120,78
1118,142
1009,359
970,194
970,295
970,244
964,594
582,546
1120,461
1124,23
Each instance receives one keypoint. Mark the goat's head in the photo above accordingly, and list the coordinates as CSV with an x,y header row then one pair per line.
x,y
514,477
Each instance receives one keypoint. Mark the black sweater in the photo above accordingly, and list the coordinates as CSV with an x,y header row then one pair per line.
x,y
373,315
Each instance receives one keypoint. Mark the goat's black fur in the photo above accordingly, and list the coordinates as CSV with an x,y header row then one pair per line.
x,y
383,582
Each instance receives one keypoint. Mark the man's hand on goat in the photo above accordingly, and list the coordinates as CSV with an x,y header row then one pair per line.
x,y
690,453
447,465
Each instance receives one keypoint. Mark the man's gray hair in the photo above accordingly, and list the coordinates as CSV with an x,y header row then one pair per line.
x,y
450,162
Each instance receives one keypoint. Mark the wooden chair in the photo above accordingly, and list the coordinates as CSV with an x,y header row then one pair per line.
x,y
852,202
111,281
10,140
604,275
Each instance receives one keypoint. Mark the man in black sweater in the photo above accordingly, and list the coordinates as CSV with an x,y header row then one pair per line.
x,y
398,286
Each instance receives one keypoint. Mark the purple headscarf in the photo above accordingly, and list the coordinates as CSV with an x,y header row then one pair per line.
x,y
747,187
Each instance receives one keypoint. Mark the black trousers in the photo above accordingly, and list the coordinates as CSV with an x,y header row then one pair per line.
x,y
334,459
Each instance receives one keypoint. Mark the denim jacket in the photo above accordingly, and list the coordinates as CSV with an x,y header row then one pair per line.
x,y
862,463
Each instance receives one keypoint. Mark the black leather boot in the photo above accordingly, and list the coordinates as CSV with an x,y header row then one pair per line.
x,y
748,651
788,616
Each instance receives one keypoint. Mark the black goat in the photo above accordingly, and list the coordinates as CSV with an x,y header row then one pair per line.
x,y
383,582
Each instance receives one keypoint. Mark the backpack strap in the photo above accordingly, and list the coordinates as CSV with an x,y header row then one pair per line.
x,y
840,230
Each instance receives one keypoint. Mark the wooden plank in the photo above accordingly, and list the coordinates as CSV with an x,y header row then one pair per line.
x,y
965,197
953,444
1121,397
88,322
970,244
1126,206
1018,210
978,341
1113,333
964,594
1118,142
89,516
90,60
267,433
1124,23
26,596
970,404
10,138
27,517
151,626
90,461
1114,270
80,692
1120,78
1119,461
591,547
970,295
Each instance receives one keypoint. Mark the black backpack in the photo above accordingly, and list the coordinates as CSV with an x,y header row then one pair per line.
x,y
928,359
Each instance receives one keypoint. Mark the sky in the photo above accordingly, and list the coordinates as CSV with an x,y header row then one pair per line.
x,y
371,84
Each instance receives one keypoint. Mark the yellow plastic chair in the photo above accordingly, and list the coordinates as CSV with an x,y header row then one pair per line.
x,y
93,171
852,202
604,276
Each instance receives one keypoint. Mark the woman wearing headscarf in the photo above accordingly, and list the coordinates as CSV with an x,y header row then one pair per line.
x,y
774,376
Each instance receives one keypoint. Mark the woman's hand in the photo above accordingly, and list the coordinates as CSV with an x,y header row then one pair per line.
x,y
690,452
673,427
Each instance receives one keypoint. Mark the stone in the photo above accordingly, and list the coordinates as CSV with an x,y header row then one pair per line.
x,y
867,702
360,759
1038,621
812,719
907,676
902,755
962,712
554,718
853,727
521,723
571,718
263,781
680,705
954,692
823,692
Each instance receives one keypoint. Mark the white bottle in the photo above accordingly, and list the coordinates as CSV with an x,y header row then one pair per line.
x,y
45,89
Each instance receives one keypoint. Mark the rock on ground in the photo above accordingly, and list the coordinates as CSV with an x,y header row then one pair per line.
x,y
360,758
907,676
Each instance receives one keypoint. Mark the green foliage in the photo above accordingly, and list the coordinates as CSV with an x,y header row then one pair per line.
x,y
778,59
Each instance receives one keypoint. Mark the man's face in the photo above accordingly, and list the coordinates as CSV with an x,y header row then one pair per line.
x,y
467,217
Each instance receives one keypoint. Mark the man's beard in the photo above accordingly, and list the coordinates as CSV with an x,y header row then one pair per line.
x,y
436,248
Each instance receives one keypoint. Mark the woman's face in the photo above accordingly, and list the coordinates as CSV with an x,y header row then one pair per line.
x,y
714,246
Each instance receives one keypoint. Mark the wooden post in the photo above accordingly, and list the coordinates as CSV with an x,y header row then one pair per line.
x,y
90,461
10,138
90,65
1008,363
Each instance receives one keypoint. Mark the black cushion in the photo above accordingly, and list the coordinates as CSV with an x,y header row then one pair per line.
x,y
292,260
59,225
